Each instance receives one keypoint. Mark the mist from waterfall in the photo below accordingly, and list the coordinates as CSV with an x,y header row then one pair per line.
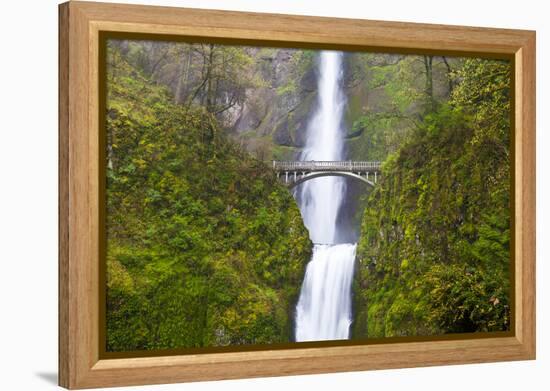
x,y
323,311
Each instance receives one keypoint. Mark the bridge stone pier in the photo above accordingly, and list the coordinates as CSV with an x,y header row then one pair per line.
x,y
293,173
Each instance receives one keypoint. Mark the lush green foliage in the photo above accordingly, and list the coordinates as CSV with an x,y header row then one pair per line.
x,y
434,254
204,248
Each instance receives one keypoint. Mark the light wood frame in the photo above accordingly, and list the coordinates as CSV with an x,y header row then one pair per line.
x,y
79,25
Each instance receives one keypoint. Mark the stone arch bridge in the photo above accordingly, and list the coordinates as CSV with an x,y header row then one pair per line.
x,y
293,173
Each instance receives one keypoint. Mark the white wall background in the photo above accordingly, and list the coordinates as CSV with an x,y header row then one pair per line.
x,y
28,195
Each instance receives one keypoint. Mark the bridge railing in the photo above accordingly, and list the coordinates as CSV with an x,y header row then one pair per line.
x,y
315,165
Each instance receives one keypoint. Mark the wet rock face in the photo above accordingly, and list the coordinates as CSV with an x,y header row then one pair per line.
x,y
309,81
281,64
278,111
253,112
276,114
281,134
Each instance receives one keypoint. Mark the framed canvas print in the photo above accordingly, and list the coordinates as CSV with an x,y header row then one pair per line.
x,y
247,195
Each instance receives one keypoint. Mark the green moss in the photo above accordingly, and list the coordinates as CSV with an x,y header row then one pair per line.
x,y
435,239
204,247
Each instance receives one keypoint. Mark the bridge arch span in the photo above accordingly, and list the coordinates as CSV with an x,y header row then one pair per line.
x,y
319,174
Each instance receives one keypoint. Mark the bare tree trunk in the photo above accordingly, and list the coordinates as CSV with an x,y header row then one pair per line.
x,y
204,78
429,89
180,70
449,75
209,89
183,75
160,57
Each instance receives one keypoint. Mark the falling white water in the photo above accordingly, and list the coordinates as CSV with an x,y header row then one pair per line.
x,y
320,199
324,307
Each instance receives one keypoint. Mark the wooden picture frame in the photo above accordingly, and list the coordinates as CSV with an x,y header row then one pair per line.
x,y
80,26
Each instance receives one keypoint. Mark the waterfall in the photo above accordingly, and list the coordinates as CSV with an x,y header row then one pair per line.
x,y
324,307
323,311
